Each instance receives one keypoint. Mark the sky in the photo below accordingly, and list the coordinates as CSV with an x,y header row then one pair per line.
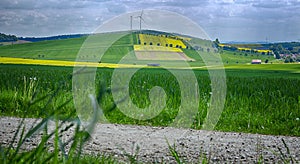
x,y
227,20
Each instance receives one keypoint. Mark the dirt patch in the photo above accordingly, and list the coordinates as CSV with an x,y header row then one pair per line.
x,y
192,145
162,55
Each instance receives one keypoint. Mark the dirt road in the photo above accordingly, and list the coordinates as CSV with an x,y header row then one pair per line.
x,y
192,145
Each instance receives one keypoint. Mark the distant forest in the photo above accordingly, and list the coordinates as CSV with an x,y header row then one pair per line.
x,y
38,39
10,38
7,38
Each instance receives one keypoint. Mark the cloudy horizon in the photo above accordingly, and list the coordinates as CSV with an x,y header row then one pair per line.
x,y
228,20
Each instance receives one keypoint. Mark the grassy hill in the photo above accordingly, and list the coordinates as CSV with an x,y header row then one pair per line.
x,y
230,57
67,49
53,50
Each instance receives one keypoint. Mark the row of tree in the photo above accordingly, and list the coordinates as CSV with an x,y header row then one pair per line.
x,y
7,38
58,37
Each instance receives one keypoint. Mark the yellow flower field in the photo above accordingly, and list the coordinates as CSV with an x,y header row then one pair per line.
x,y
8,60
265,51
184,38
247,49
162,41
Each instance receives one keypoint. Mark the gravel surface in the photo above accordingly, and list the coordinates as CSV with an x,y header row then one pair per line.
x,y
192,145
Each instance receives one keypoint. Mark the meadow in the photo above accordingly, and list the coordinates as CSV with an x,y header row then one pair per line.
x,y
67,50
262,99
265,101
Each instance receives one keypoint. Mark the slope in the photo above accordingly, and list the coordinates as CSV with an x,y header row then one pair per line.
x,y
67,49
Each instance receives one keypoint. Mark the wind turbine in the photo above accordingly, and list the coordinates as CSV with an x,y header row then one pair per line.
x,y
141,19
131,22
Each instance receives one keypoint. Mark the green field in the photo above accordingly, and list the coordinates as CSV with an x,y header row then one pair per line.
x,y
260,98
57,49
257,101
67,49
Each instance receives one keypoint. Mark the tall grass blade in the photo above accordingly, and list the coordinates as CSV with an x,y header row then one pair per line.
x,y
291,160
174,153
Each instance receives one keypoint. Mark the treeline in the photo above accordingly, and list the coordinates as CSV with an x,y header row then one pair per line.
x,y
38,39
288,48
7,38
285,48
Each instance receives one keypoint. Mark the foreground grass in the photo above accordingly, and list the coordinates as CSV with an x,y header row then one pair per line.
x,y
265,102
257,101
48,157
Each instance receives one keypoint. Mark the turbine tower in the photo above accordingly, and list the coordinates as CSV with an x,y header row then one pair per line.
x,y
141,19
131,22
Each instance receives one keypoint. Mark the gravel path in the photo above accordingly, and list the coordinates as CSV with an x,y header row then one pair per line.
x,y
192,145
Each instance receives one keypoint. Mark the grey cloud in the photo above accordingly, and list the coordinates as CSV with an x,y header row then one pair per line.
x,y
53,4
226,19
275,4
116,8
15,4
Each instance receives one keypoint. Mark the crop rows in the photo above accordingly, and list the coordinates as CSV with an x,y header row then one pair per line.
x,y
253,104
160,41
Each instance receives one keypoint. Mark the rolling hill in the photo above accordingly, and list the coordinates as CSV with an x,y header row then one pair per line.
x,y
67,49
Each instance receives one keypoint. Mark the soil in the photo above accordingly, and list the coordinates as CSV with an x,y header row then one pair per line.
x,y
162,55
193,146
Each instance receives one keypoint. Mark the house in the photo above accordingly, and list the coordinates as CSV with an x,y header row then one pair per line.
x,y
256,61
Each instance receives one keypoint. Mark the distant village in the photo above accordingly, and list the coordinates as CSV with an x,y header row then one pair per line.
x,y
288,52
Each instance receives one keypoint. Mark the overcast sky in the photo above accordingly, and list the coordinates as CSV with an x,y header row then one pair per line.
x,y
228,20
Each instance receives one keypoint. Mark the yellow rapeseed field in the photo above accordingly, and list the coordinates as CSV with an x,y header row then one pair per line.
x,y
8,60
247,49
244,49
265,51
184,38
160,40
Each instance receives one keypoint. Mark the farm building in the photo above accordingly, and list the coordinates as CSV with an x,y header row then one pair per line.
x,y
256,61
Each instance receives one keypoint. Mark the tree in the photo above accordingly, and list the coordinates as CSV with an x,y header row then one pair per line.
x,y
277,56
280,48
298,58
7,38
217,41
287,60
216,44
267,60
